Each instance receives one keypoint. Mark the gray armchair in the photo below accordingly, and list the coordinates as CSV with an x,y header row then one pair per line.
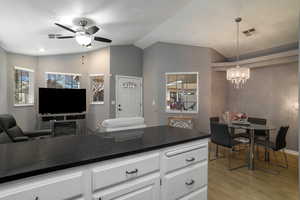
x,y
9,126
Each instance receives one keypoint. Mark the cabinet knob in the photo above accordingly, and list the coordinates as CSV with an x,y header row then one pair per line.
x,y
190,159
189,183
132,172
36,198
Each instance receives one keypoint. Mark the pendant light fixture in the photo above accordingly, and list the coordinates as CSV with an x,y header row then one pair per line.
x,y
238,75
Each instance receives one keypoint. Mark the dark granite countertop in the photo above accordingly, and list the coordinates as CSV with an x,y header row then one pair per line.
x,y
25,159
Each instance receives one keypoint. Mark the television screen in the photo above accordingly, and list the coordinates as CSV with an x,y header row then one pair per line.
x,y
55,101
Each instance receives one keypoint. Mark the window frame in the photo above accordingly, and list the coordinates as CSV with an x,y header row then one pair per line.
x,y
166,91
62,73
91,94
31,89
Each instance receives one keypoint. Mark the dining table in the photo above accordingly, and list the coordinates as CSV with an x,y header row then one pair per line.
x,y
250,129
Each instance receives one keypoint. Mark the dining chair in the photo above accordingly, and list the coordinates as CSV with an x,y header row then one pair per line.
x,y
278,145
221,136
259,121
214,119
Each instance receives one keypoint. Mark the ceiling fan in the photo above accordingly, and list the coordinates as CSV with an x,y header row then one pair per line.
x,y
84,35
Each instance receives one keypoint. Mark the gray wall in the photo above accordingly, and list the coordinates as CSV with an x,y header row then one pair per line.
x,y
271,93
25,116
163,57
218,87
99,62
125,60
96,62
3,82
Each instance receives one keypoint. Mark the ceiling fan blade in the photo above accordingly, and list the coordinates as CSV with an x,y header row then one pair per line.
x,y
64,27
100,39
92,30
65,37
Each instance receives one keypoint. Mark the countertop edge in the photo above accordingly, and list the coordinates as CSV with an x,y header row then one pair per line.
x,y
90,161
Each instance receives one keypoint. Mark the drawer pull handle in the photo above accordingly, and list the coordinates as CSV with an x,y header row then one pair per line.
x,y
189,183
190,159
132,172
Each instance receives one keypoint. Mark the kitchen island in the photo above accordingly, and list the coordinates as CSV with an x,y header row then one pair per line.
x,y
152,163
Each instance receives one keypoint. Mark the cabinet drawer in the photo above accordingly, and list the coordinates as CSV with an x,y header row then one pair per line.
x,y
58,188
182,157
145,188
119,171
184,181
197,195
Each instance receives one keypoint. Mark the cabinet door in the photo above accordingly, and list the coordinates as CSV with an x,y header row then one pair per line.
x,y
65,187
198,195
184,181
146,188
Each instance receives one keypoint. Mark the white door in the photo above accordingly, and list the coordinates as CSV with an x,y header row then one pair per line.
x,y
129,96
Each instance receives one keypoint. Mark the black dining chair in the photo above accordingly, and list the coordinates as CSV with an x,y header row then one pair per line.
x,y
254,120
263,135
259,121
278,145
9,125
221,136
214,119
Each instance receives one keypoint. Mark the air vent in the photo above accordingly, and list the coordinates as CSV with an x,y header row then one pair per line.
x,y
249,32
53,36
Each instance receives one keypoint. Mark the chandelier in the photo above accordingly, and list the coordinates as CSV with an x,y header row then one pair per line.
x,y
238,75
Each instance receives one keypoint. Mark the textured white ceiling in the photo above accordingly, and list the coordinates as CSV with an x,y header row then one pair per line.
x,y
210,23
25,24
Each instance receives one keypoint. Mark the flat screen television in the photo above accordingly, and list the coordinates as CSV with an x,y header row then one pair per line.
x,y
58,101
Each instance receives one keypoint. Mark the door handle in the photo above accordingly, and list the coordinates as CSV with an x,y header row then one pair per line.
x,y
132,172
189,183
190,159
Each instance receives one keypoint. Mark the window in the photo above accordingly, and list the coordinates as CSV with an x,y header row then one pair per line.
x,y
97,88
24,90
62,80
182,92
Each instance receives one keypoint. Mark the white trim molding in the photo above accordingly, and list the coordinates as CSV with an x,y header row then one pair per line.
x,y
91,75
261,61
292,152
63,73
23,69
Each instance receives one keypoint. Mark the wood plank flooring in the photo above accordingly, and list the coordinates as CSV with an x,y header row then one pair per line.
x,y
243,184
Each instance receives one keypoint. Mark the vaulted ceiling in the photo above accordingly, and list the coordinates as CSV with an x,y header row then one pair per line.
x,y
25,24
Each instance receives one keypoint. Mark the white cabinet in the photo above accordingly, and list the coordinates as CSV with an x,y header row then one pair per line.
x,y
181,157
65,187
197,195
132,167
145,188
173,173
184,181
184,172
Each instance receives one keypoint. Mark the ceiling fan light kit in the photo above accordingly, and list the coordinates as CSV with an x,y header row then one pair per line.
x,y
83,39
84,36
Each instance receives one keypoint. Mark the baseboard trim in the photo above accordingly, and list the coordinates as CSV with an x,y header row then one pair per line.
x,y
288,151
292,152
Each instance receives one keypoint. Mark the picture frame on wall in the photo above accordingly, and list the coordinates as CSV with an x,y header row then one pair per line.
x,y
97,88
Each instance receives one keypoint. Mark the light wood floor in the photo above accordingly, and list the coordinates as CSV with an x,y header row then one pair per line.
x,y
243,184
